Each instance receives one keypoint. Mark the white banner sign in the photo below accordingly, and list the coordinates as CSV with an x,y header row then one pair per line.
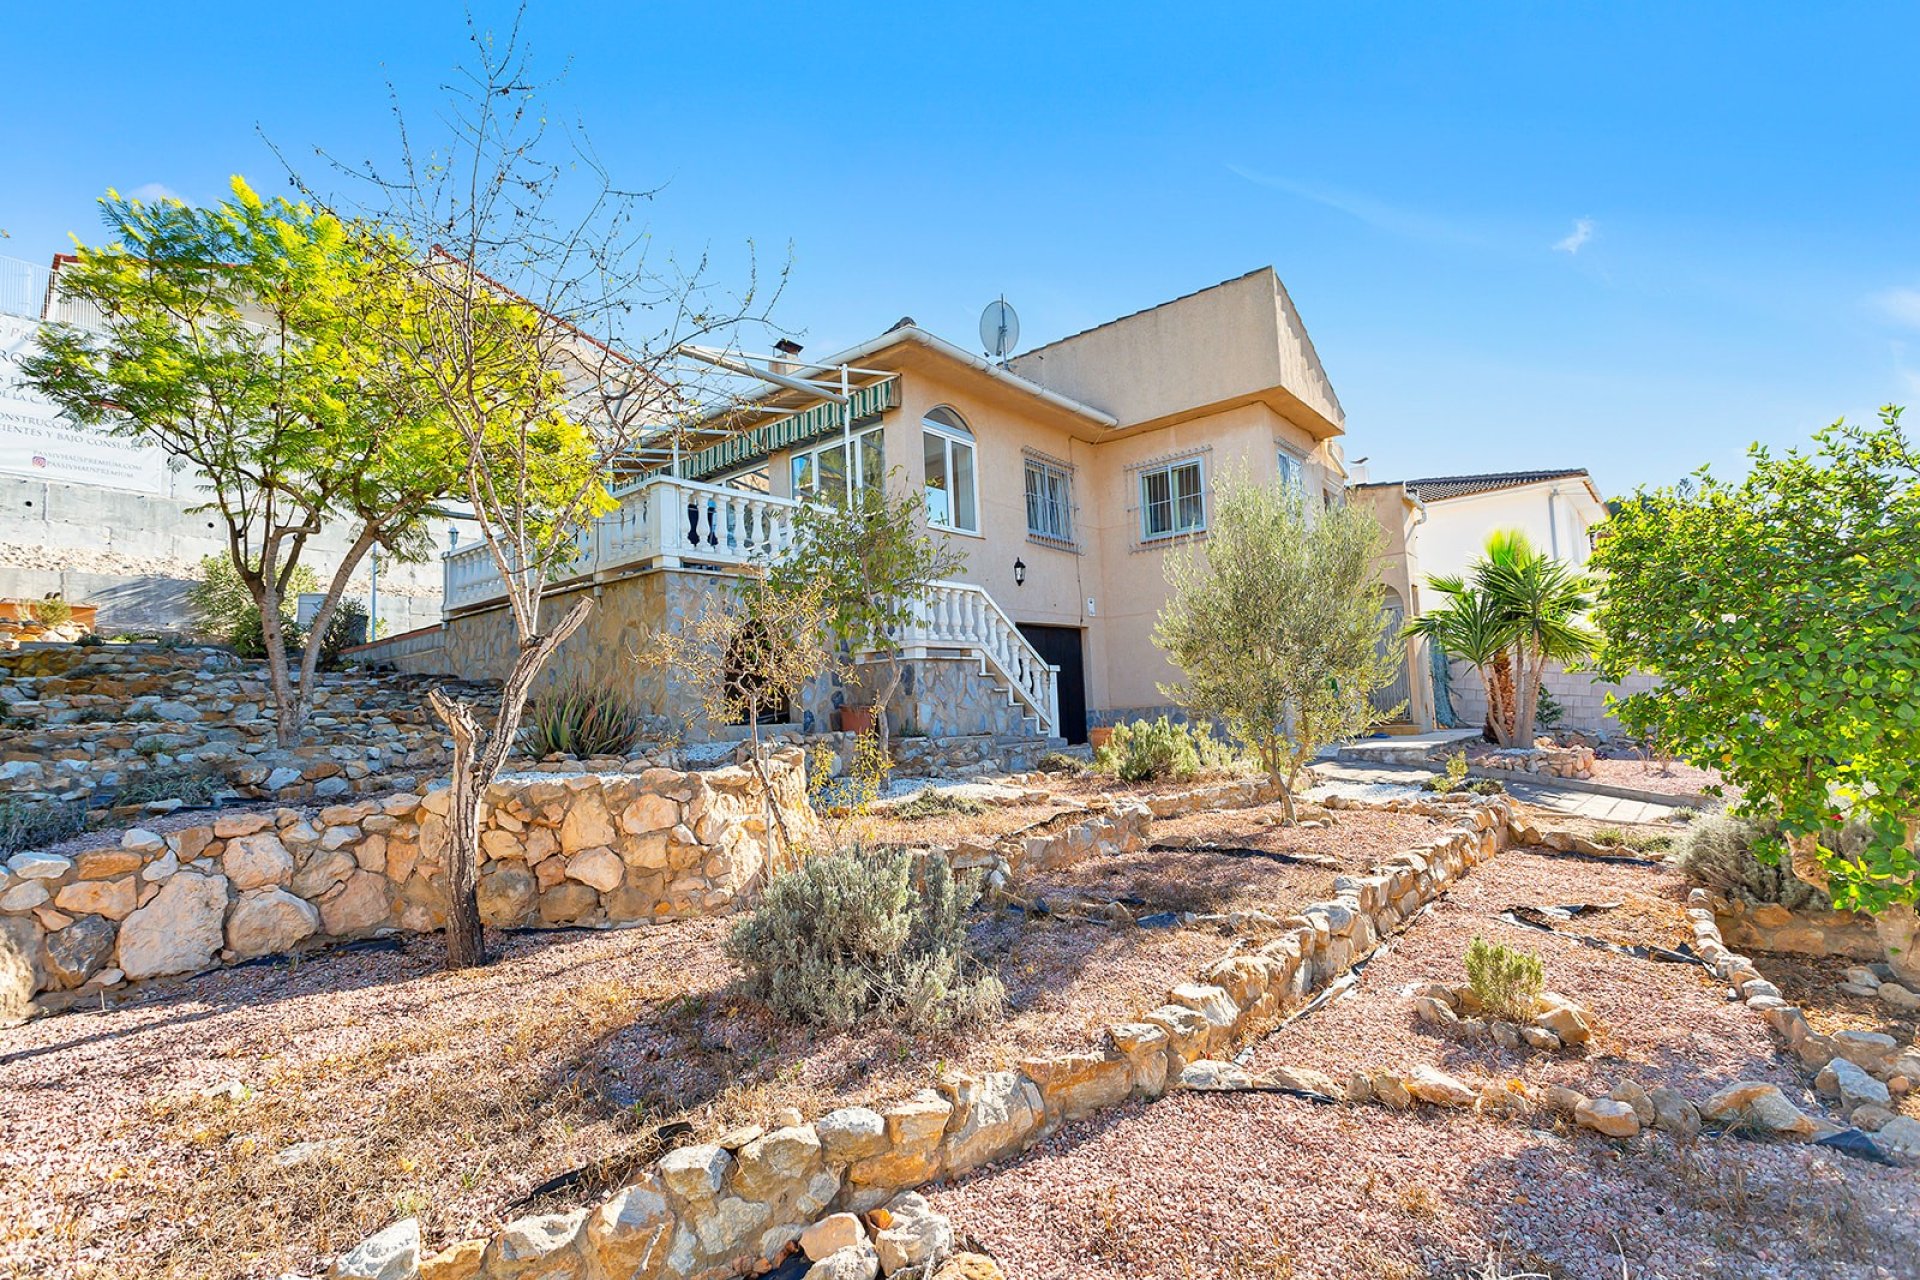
x,y
36,441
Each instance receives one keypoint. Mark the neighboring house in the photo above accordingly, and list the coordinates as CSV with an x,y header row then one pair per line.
x,y
1065,475
1437,526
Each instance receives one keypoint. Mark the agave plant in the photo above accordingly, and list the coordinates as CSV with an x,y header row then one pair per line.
x,y
580,720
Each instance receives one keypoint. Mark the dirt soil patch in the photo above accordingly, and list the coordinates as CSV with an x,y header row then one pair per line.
x,y
245,1122
992,820
1246,1185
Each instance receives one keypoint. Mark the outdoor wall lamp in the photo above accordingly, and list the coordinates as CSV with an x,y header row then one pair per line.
x,y
1019,573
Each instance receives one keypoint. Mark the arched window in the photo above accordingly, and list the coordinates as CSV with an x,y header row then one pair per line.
x,y
947,451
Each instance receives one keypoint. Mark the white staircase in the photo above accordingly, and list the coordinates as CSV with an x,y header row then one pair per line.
x,y
958,617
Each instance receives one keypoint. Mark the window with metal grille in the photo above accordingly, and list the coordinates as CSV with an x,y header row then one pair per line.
x,y
1172,500
1049,502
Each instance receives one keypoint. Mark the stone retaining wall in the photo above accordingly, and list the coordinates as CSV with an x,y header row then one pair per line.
x,y
580,849
1768,926
709,1211
1553,762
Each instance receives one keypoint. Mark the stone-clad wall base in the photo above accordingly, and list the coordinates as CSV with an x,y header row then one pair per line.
x,y
1768,926
556,849
709,1211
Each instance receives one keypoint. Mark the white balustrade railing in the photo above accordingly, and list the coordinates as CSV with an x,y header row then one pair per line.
x,y
669,523
662,522
963,616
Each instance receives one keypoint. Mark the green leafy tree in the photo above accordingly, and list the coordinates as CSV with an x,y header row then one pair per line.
x,y
873,560
1275,625
258,342
1780,612
223,609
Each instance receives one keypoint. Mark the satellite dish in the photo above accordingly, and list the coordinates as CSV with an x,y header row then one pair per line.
x,y
999,329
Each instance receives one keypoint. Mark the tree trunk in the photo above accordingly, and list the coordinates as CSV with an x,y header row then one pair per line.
x,y
477,760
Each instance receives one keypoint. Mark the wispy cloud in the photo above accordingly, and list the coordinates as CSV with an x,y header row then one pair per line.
x,y
1576,239
1900,305
151,191
1375,213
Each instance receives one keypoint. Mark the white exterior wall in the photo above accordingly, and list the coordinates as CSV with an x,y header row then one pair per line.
x,y
1556,515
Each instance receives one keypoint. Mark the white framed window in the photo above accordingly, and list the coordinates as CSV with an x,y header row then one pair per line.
x,y
823,471
947,451
1292,474
1172,500
1049,501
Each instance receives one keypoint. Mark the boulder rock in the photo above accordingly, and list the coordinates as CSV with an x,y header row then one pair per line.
x,y
1673,1114
1565,1021
1900,1138
1631,1093
851,1133
179,931
912,1153
539,1247
1899,997
831,1234
914,1234
1852,1085
1429,1084
78,951
20,973
650,812
1610,1116
357,907
322,872
38,866
1005,1112
862,1262
114,899
258,860
568,902
587,824
392,1254
630,1233
597,868
269,921
1761,1107
506,894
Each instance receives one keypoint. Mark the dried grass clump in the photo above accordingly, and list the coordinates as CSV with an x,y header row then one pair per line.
x,y
1722,853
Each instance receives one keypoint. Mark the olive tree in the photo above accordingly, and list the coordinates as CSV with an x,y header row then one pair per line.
x,y
1779,612
1274,622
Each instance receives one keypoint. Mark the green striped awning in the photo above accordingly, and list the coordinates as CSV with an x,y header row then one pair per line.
x,y
783,433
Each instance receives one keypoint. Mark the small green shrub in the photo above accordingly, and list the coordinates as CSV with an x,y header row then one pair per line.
x,y
850,935
249,639
223,608
1161,749
89,640
1506,980
1718,852
580,720
932,802
36,824
348,626
1060,762
1454,779
1638,841
51,612
1547,710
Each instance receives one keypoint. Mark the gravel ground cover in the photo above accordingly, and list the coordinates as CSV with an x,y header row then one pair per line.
x,y
246,1121
1812,982
1253,1185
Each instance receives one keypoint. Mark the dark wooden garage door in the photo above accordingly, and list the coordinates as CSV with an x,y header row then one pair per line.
x,y
1062,647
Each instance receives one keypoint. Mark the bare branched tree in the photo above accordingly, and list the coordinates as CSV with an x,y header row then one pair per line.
x,y
547,332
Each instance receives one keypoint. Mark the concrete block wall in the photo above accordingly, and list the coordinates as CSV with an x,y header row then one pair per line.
x,y
1581,694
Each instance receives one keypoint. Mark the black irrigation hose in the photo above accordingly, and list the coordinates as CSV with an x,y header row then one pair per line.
x,y
1683,954
1240,851
1284,1090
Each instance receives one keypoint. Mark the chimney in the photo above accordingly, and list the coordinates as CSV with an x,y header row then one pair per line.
x,y
787,356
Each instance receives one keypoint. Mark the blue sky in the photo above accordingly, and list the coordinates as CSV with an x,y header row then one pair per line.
x,y
1630,237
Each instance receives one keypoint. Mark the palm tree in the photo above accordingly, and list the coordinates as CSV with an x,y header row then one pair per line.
x,y
1471,628
1515,611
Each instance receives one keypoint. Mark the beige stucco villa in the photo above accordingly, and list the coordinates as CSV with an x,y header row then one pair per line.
x,y
1064,476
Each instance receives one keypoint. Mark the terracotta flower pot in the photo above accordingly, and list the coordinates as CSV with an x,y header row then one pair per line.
x,y
1098,738
856,719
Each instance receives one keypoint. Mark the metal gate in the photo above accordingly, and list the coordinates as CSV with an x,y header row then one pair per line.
x,y
1393,620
